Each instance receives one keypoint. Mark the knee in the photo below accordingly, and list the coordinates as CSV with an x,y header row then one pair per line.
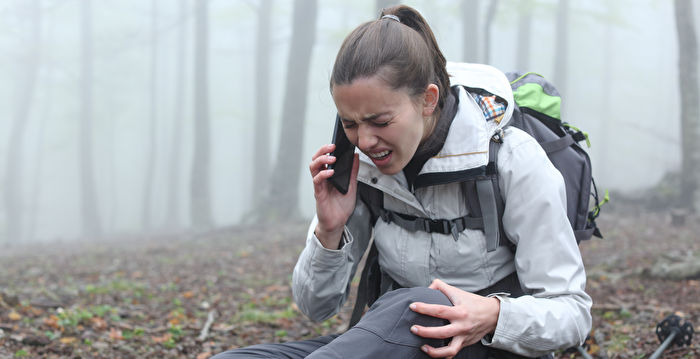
x,y
406,296
392,309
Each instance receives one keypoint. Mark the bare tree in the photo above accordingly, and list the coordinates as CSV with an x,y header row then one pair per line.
x,y
152,121
284,193
690,113
26,84
561,52
525,9
175,160
200,209
470,23
381,4
262,108
92,226
490,16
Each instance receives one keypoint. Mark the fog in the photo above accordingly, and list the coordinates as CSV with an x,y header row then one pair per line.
x,y
621,87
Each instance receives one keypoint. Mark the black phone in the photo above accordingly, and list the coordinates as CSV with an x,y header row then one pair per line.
x,y
344,155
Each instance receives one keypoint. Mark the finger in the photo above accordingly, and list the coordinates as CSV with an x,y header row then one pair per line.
x,y
319,164
447,351
321,176
449,291
434,310
441,332
325,149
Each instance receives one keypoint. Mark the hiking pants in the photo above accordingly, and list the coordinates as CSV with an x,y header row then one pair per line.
x,y
383,332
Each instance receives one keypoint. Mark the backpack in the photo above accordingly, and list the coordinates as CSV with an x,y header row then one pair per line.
x,y
537,111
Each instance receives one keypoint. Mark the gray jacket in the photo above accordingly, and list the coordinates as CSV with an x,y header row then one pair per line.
x,y
554,313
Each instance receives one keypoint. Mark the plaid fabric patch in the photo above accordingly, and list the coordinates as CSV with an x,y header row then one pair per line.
x,y
492,107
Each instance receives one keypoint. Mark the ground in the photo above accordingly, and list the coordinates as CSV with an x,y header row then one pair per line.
x,y
173,297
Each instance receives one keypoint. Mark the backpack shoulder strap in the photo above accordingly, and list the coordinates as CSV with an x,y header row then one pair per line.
x,y
370,280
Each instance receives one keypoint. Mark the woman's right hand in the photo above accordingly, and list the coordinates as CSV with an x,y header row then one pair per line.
x,y
332,207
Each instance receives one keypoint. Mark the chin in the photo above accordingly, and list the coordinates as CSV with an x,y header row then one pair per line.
x,y
390,171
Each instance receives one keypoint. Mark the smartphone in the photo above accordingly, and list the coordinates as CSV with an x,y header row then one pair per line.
x,y
344,155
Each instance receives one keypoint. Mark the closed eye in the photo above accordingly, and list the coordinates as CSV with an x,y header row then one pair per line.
x,y
349,124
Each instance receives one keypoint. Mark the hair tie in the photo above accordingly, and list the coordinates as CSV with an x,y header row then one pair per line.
x,y
393,17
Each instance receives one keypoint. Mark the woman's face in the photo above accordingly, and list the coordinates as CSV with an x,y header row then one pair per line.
x,y
385,124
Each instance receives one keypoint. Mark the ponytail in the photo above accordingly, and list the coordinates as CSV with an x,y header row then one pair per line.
x,y
413,19
403,53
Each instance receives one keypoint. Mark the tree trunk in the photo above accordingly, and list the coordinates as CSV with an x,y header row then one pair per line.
x,y
262,97
470,22
200,209
490,15
92,226
561,52
605,136
26,84
152,122
173,209
381,4
690,113
284,189
524,30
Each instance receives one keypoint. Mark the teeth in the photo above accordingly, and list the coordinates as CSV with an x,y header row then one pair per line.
x,y
379,154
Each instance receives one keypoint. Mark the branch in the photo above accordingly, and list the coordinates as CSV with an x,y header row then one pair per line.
x,y
205,330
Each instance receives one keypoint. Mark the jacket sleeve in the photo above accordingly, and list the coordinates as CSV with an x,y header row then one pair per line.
x,y
321,278
556,312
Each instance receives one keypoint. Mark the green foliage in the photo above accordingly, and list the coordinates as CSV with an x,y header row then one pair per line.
x,y
21,353
70,318
250,314
176,331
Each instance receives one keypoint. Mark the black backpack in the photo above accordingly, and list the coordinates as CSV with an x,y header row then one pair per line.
x,y
537,111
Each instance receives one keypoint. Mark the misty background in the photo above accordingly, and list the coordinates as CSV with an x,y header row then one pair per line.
x,y
148,117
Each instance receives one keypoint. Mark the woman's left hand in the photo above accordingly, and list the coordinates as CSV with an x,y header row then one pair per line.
x,y
471,318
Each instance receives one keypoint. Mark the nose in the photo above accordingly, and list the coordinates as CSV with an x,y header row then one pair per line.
x,y
366,138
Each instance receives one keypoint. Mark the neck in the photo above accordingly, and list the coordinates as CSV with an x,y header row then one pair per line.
x,y
430,124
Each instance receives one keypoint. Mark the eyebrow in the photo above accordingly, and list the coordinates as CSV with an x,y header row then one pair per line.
x,y
370,117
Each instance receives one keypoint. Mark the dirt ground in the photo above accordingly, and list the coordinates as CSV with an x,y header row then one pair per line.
x,y
190,298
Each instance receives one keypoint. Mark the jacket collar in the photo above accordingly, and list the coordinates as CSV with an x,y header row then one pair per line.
x,y
467,144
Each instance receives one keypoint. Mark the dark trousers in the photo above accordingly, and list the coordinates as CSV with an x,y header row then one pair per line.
x,y
383,332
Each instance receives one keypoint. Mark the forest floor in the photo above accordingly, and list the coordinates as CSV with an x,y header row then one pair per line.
x,y
191,298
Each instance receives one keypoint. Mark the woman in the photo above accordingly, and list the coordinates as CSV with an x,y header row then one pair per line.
x,y
418,124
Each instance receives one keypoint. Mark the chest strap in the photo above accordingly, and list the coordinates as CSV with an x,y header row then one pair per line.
x,y
483,199
443,226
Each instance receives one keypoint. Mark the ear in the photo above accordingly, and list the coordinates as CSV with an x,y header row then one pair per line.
x,y
430,99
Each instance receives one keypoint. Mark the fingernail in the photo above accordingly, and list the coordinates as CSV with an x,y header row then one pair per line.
x,y
424,348
412,306
414,329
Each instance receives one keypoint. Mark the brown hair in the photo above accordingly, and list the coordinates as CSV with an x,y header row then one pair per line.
x,y
404,54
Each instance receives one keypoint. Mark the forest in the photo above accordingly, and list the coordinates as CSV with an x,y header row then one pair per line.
x,y
154,177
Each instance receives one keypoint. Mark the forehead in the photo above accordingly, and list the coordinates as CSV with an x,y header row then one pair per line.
x,y
367,97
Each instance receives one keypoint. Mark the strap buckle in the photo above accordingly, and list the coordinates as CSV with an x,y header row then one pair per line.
x,y
437,225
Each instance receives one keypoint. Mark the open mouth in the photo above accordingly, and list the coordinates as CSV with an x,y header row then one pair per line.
x,y
379,155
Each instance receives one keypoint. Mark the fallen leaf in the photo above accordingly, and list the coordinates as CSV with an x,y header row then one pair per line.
x,y
14,316
98,323
115,334
162,338
187,295
68,340
52,321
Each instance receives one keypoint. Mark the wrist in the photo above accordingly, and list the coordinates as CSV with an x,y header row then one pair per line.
x,y
495,312
329,239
